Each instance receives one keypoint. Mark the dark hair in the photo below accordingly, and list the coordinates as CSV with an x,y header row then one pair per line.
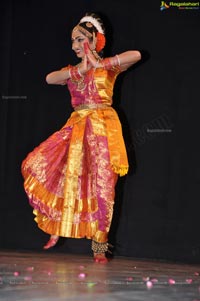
x,y
92,29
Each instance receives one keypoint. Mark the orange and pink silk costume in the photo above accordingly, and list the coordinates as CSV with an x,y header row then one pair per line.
x,y
70,177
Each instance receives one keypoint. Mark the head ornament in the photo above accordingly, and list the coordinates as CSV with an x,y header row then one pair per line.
x,y
94,22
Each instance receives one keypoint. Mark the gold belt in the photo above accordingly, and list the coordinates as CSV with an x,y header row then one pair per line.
x,y
92,106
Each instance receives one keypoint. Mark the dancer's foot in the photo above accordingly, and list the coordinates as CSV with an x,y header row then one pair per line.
x,y
100,258
52,242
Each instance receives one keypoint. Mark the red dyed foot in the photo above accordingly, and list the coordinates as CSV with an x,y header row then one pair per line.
x,y
100,258
51,243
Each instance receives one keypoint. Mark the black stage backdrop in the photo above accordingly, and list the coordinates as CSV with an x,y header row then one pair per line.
x,y
157,204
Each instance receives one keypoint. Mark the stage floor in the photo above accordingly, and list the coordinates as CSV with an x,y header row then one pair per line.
x,y
45,276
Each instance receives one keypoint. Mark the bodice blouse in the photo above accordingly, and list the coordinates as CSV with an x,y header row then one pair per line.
x,y
96,87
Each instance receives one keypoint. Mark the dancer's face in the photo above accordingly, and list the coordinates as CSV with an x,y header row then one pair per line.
x,y
78,40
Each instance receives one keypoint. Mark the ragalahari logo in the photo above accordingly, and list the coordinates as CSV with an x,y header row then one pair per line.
x,y
164,5
179,5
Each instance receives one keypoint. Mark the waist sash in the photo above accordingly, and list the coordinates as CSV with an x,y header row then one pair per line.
x,y
92,106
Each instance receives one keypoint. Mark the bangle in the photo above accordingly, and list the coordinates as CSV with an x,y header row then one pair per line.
x,y
69,73
110,62
118,60
115,60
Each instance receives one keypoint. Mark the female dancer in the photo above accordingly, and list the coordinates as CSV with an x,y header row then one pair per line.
x,y
70,178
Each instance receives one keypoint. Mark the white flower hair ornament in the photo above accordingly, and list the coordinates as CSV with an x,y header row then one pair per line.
x,y
94,22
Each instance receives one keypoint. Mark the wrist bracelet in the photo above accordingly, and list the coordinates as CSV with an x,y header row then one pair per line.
x,y
118,60
69,73
110,62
